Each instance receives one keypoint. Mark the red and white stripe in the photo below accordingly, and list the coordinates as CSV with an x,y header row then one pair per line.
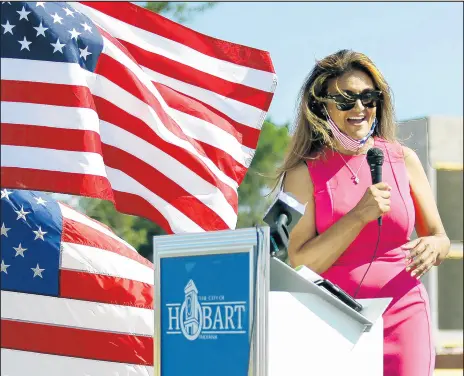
x,y
103,322
347,142
165,128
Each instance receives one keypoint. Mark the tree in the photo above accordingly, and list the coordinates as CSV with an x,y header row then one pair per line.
x,y
137,231
253,198
178,11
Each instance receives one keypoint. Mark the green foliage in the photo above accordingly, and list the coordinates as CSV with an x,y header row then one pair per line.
x,y
178,11
253,198
137,231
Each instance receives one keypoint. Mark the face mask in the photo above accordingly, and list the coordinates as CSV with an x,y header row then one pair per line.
x,y
349,143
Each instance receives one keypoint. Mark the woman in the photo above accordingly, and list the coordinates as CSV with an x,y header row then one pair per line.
x,y
346,109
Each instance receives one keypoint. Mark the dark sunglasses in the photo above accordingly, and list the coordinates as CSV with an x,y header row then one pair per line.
x,y
346,102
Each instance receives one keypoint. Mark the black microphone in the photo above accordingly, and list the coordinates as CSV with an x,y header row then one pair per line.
x,y
375,161
282,216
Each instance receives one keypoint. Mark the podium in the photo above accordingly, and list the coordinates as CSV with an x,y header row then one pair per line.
x,y
223,306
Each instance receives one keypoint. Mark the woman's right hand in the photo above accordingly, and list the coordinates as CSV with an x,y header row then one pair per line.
x,y
374,203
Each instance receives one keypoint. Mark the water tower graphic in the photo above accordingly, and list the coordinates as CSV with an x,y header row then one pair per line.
x,y
191,315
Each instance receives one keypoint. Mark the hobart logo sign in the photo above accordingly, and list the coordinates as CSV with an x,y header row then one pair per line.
x,y
205,317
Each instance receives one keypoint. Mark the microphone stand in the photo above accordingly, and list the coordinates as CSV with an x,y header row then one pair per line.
x,y
280,237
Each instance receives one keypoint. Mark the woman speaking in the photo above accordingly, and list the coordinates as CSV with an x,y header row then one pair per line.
x,y
346,109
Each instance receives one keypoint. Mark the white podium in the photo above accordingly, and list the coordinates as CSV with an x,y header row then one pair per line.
x,y
310,332
253,315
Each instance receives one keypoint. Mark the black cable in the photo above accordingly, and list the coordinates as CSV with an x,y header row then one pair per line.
x,y
373,258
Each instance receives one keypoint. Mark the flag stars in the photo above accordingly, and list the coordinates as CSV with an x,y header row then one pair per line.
x,y
57,18
84,53
37,271
40,30
40,4
6,193
19,250
69,12
4,230
74,33
24,44
23,14
58,46
40,201
8,28
39,234
21,213
4,267
87,27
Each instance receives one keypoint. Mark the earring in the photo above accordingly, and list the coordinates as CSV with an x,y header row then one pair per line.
x,y
324,111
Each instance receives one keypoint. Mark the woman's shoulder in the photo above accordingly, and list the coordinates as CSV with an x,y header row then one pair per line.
x,y
396,151
297,172
411,159
298,182
408,152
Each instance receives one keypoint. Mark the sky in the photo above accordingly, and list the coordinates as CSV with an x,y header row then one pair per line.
x,y
418,46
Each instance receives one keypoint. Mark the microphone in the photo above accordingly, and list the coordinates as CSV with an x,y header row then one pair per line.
x,y
282,216
375,161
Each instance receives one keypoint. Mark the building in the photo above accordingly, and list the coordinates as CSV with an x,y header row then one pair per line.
x,y
438,141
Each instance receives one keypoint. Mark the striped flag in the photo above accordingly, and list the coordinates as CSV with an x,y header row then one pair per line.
x,y
112,101
75,299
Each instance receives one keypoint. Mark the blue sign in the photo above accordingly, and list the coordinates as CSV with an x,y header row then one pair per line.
x,y
205,315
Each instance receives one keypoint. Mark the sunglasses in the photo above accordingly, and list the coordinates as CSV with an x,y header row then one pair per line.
x,y
346,102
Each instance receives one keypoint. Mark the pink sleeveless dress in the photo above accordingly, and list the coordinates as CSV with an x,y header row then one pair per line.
x,y
408,345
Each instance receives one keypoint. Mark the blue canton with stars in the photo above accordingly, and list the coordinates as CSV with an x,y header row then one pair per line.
x,y
49,31
31,226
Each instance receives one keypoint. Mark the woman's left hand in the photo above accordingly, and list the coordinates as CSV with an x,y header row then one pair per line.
x,y
423,254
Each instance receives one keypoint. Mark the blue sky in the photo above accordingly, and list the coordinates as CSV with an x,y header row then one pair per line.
x,y
417,46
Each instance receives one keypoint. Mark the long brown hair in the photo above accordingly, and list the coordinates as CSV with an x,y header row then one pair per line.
x,y
312,131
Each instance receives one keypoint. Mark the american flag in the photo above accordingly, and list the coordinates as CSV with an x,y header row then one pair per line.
x,y
112,101
75,299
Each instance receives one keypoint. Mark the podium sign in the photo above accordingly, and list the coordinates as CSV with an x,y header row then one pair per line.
x,y
204,302
224,307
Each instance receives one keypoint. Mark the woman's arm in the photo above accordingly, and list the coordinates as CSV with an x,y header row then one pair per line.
x,y
428,221
319,252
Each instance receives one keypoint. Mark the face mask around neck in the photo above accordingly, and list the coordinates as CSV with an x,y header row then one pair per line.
x,y
349,143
